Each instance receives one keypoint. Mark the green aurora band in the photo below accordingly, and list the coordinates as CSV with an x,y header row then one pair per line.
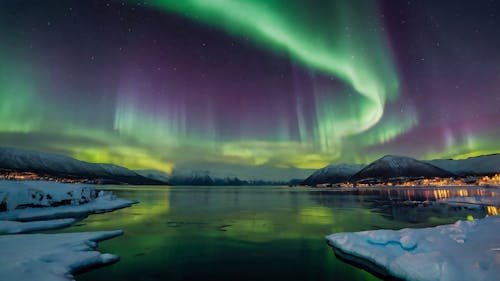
x,y
333,41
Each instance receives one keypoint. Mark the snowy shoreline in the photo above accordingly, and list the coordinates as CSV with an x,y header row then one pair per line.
x,y
27,206
52,257
38,205
465,250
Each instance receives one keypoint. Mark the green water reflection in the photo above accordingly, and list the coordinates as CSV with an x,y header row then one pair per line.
x,y
249,233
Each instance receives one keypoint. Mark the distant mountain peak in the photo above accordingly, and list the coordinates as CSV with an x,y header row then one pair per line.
x,y
472,166
395,157
394,166
335,173
398,166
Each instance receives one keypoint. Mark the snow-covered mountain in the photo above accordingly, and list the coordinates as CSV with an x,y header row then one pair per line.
x,y
203,178
194,178
20,160
392,166
480,165
154,174
333,174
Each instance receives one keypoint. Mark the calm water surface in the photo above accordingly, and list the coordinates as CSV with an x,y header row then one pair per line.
x,y
256,233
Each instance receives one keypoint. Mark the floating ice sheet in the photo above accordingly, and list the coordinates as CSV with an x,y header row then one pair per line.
x,y
51,257
465,250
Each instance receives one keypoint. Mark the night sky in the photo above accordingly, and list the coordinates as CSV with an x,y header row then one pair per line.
x,y
257,89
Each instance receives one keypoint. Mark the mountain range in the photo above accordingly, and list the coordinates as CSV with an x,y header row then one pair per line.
x,y
479,166
393,166
204,178
63,167
14,160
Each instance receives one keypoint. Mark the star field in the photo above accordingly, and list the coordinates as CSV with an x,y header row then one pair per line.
x,y
267,89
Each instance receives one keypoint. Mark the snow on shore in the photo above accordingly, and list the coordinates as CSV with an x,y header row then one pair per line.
x,y
12,227
21,194
466,250
51,256
22,202
104,203
37,205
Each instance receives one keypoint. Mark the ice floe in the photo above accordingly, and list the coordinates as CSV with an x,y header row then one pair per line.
x,y
465,250
51,256
12,227
34,200
27,206
23,194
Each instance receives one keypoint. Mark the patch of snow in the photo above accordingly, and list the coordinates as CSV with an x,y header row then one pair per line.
x,y
51,257
19,194
12,227
466,250
32,200
106,202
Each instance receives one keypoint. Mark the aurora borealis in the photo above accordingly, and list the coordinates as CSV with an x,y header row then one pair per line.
x,y
267,89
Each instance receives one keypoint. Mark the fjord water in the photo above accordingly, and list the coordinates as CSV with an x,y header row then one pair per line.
x,y
255,233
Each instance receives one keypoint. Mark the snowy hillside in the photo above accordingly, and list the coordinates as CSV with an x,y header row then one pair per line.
x,y
480,165
391,166
20,160
154,174
203,178
193,178
333,174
